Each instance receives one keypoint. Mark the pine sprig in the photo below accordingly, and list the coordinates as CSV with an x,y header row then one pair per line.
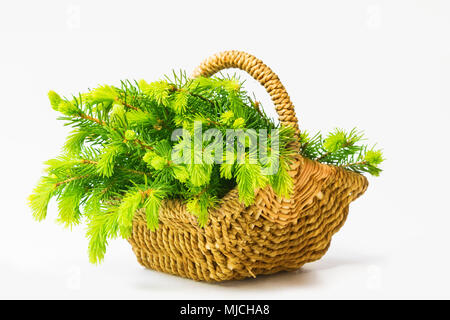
x,y
342,149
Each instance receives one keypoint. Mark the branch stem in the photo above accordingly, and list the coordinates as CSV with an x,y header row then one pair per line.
x,y
85,161
71,179
354,164
127,104
326,154
87,117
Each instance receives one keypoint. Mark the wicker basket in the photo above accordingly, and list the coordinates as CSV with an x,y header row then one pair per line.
x,y
272,235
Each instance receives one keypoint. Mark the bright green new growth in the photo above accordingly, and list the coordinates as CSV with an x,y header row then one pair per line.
x,y
118,158
343,149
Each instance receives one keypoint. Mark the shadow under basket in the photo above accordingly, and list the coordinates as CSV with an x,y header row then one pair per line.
x,y
274,234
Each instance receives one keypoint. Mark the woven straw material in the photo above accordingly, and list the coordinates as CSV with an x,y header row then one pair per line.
x,y
274,234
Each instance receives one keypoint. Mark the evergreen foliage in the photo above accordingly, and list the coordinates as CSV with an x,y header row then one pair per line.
x,y
343,149
119,156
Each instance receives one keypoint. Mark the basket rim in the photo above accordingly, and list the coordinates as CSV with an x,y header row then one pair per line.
x,y
231,198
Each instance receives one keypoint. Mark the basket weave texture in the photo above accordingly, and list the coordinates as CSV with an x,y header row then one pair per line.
x,y
274,234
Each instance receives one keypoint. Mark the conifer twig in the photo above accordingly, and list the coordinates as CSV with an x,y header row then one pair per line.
x,y
85,161
87,117
143,145
326,154
359,163
70,180
175,89
201,97
127,104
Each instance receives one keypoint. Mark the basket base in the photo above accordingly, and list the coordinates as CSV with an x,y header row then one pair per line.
x,y
270,236
191,255
191,270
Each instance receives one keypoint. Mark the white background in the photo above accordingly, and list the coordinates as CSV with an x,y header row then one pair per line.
x,y
383,66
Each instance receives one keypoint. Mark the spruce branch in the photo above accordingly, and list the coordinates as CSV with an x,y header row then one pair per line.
x,y
355,164
328,153
341,148
122,102
87,117
143,144
174,88
70,180
85,161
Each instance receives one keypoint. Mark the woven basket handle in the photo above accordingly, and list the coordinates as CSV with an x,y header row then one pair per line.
x,y
260,72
